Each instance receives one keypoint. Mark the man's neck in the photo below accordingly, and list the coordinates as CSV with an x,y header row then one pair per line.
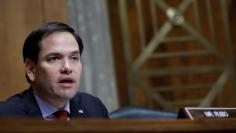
x,y
53,101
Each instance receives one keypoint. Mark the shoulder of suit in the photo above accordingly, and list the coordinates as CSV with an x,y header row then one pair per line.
x,y
85,96
87,99
14,102
19,96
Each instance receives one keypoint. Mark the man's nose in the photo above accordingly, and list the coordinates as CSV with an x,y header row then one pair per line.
x,y
65,67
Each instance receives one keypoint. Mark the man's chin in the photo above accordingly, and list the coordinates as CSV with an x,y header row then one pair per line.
x,y
68,94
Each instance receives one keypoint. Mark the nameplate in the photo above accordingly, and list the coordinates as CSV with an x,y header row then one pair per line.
x,y
208,113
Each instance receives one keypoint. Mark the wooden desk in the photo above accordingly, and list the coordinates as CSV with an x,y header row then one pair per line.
x,y
117,126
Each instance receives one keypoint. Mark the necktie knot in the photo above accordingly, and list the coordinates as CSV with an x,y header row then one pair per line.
x,y
61,115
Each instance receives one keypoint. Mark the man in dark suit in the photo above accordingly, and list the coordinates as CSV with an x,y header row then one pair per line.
x,y
53,68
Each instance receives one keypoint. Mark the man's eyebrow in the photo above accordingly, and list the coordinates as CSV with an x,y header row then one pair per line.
x,y
76,52
54,54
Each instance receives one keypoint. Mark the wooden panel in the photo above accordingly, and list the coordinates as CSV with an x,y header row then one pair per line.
x,y
119,59
232,20
17,19
179,64
54,10
111,126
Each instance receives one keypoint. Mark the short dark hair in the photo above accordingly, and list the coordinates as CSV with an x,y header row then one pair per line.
x,y
32,44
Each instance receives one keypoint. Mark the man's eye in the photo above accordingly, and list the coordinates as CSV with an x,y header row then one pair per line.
x,y
52,59
75,58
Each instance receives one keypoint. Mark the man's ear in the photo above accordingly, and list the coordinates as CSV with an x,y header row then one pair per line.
x,y
30,69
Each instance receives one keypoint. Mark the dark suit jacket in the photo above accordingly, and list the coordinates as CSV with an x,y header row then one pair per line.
x,y
24,105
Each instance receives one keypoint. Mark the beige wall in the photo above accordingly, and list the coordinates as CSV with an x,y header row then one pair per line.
x,y
17,19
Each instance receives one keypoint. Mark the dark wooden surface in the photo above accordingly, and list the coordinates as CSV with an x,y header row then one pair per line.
x,y
115,126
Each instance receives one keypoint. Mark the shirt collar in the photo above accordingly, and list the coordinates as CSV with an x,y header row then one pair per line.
x,y
46,109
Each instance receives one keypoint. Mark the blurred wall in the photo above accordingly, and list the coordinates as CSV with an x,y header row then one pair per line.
x,y
90,18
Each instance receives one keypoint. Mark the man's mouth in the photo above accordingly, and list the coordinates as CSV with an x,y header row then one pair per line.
x,y
66,82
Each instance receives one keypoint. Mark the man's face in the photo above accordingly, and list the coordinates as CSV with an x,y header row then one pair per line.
x,y
57,73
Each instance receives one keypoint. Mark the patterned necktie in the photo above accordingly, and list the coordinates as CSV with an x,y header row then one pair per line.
x,y
61,115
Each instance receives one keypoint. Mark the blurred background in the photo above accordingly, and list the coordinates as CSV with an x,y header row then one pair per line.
x,y
158,54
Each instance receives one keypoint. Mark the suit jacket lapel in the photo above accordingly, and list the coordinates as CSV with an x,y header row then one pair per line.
x,y
31,107
76,109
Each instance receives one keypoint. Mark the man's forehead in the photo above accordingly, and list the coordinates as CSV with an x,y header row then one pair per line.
x,y
61,53
59,42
